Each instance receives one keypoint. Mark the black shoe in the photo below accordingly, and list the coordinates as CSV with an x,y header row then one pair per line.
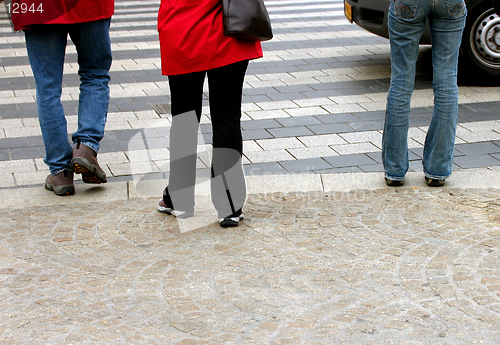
x,y
229,222
431,182
169,210
393,183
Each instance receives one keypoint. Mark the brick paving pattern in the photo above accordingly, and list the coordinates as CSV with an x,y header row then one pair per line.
x,y
379,265
392,266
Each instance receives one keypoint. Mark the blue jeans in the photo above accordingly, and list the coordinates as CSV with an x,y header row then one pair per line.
x,y
46,45
406,24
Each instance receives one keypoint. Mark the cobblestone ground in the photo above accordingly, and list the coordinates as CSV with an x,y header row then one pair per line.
x,y
392,266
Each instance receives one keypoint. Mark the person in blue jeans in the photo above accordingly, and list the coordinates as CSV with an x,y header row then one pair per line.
x,y
46,34
407,20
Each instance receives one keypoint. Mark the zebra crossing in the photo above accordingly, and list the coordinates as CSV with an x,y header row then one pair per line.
x,y
315,102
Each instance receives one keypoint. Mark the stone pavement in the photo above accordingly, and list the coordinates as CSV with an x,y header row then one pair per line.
x,y
327,253
319,259
345,261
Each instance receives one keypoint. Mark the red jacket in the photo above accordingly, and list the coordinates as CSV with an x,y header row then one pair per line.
x,y
29,12
192,40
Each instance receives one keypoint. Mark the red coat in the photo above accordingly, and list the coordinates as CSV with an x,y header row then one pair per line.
x,y
192,40
29,12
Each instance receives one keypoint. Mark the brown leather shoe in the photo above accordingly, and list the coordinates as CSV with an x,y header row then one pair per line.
x,y
85,162
61,184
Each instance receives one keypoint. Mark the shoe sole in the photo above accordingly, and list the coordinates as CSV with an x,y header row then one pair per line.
x,y
394,183
229,223
165,210
90,172
169,211
61,190
434,183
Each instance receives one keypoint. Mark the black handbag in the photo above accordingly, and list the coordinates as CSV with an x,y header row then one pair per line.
x,y
246,20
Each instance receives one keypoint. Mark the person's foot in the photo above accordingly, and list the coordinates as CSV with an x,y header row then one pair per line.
x,y
431,182
393,183
61,184
169,210
229,222
85,162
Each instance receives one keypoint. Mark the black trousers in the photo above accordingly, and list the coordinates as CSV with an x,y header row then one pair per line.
x,y
225,95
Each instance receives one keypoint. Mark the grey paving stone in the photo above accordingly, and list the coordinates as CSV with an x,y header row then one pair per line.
x,y
271,168
476,161
290,132
125,107
316,66
7,86
109,136
346,64
294,88
371,115
377,156
4,155
416,165
418,121
148,78
38,140
353,169
299,121
372,168
254,134
303,165
337,118
349,160
330,128
480,148
156,143
149,133
256,70
114,146
259,91
367,125
422,111
208,138
260,124
286,96
163,131
282,69
206,128
13,143
418,153
125,134
27,152
256,98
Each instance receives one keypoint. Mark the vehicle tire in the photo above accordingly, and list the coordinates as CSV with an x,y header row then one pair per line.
x,y
480,49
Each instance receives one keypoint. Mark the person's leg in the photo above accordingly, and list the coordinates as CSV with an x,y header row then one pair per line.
x,y
446,32
186,93
406,25
93,45
228,181
46,45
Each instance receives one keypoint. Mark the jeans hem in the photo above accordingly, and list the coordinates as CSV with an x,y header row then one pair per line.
x,y
89,145
393,178
436,177
55,172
